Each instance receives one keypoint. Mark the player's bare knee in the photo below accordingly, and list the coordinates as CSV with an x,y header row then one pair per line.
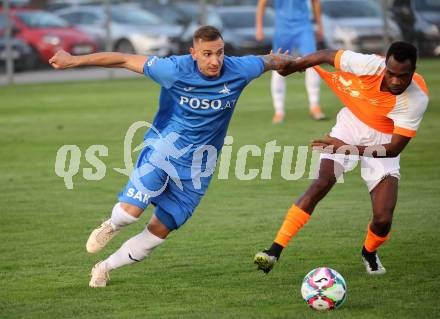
x,y
382,224
157,228
315,193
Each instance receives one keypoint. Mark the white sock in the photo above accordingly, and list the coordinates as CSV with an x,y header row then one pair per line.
x,y
133,250
278,87
313,82
121,218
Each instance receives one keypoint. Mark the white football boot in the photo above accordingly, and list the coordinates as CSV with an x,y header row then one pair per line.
x,y
100,237
372,263
99,276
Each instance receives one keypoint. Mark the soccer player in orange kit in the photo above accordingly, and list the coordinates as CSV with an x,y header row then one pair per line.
x,y
384,103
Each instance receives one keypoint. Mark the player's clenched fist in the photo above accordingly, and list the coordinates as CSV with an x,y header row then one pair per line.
x,y
62,60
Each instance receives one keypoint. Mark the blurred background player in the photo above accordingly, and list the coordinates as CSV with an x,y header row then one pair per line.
x,y
198,95
384,104
293,32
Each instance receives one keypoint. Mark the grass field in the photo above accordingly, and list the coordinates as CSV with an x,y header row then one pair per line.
x,y
205,269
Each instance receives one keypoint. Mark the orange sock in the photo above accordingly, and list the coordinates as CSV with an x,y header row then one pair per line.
x,y
294,220
372,241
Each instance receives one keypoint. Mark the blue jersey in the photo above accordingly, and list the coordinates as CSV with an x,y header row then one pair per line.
x,y
194,113
290,13
195,108
293,27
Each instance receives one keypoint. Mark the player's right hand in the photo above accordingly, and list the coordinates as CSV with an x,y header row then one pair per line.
x,y
62,60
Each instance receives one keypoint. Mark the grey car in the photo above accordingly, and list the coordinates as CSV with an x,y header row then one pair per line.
x,y
356,25
133,30
419,21
239,30
22,54
193,15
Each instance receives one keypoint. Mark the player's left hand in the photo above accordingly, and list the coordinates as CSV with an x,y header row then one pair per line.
x,y
285,64
280,57
327,144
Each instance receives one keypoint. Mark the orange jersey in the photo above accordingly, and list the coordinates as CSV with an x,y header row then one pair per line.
x,y
357,85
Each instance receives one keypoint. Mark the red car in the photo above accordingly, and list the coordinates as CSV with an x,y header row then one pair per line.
x,y
46,33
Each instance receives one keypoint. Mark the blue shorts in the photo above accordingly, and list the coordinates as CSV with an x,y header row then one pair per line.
x,y
174,206
301,38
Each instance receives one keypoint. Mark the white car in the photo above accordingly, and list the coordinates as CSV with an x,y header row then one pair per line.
x,y
132,29
356,25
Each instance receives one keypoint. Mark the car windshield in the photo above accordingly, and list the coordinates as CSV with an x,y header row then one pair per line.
x,y
428,5
351,9
40,19
134,16
238,20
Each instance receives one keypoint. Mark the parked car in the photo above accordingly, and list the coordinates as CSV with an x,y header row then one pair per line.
x,y
21,53
193,13
419,21
356,25
132,29
239,30
173,16
17,3
46,33
169,13
53,5
241,3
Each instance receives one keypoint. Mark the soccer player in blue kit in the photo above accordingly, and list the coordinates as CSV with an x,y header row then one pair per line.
x,y
198,95
293,31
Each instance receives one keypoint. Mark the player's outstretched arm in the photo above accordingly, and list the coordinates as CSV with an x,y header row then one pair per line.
x,y
132,62
316,58
333,145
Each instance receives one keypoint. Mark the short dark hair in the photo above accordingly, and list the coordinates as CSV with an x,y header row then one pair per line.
x,y
402,51
207,33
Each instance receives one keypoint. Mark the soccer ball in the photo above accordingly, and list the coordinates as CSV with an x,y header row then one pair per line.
x,y
324,289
